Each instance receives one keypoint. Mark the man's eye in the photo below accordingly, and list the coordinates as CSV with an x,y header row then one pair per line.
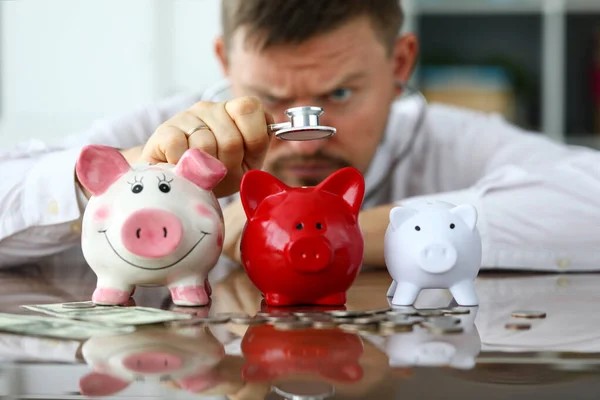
x,y
340,94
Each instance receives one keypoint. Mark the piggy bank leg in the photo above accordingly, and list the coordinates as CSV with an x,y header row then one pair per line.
x,y
392,289
190,291
464,293
112,293
406,293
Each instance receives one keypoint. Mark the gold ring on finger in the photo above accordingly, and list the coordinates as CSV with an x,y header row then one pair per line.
x,y
198,128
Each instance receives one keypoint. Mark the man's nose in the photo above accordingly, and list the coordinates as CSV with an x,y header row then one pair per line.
x,y
307,147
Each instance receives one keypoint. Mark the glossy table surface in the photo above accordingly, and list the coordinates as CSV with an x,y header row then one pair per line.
x,y
558,358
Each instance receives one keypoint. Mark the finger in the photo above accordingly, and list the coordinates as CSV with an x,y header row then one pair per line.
x,y
250,119
204,140
186,121
230,145
166,145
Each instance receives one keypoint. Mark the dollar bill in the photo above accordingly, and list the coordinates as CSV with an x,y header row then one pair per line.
x,y
32,325
114,315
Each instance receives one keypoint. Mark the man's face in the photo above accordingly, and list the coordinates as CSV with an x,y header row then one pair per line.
x,y
347,72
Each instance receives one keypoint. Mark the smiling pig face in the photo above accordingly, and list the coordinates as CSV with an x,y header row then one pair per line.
x,y
151,224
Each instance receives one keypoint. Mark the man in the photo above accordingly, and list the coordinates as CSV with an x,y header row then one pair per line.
x,y
538,201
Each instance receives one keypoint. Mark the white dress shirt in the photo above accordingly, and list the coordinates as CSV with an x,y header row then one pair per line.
x,y
538,200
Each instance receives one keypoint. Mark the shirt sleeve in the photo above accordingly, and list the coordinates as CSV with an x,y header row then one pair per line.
x,y
537,201
40,203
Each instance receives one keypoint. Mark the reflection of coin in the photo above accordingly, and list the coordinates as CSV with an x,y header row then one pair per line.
x,y
257,320
309,390
456,310
518,326
79,304
528,314
379,311
443,328
292,325
358,327
323,323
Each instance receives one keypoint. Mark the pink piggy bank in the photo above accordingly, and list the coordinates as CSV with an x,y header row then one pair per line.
x,y
151,225
302,245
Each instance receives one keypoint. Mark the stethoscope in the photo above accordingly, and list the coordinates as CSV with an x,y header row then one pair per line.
x,y
304,124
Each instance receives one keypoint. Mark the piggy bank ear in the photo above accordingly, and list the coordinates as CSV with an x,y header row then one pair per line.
x,y
201,168
399,214
349,184
256,186
467,213
98,167
99,385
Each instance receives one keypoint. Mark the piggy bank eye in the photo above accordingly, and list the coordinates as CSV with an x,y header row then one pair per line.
x,y
299,226
164,185
319,225
452,226
417,228
137,186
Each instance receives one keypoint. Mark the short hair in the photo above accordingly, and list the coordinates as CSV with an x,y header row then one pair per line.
x,y
273,22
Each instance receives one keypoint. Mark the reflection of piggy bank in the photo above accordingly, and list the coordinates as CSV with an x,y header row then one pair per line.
x,y
152,225
424,349
433,245
271,354
187,356
302,245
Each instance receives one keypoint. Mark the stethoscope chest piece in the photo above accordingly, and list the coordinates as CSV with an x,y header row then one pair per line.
x,y
303,125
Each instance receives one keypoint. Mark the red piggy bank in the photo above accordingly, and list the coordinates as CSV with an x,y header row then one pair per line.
x,y
330,354
302,245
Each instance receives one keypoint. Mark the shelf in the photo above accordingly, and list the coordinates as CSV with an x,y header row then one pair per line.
x,y
592,141
473,7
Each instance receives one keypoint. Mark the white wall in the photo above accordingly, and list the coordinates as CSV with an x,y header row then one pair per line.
x,y
65,63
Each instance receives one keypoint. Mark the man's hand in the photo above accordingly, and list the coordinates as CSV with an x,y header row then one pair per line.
x,y
236,135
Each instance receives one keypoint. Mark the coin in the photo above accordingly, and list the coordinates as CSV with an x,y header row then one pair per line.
x,y
256,320
308,314
379,311
402,310
217,319
518,326
446,319
528,314
405,326
346,313
456,311
373,319
292,325
430,312
79,304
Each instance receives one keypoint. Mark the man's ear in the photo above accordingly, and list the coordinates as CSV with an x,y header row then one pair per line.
x,y
404,57
221,53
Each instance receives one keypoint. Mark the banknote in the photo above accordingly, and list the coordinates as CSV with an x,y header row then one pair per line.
x,y
32,325
114,315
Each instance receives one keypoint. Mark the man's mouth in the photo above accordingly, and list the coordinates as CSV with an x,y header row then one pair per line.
x,y
158,268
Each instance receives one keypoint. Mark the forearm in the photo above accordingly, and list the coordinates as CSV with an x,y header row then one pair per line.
x,y
373,224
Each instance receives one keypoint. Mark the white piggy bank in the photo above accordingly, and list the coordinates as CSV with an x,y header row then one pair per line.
x,y
425,349
433,246
187,356
151,225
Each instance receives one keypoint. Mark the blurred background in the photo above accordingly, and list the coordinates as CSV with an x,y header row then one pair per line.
x,y
67,63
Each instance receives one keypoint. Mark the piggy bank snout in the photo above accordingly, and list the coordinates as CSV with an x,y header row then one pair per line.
x,y
437,257
153,362
152,233
309,254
